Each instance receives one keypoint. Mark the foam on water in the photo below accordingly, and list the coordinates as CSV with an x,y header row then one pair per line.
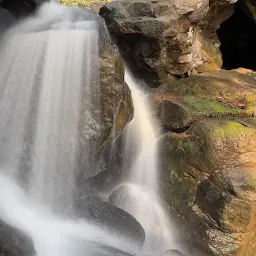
x,y
139,194
49,81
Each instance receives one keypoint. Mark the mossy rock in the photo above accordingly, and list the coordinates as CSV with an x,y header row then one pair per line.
x,y
222,93
208,177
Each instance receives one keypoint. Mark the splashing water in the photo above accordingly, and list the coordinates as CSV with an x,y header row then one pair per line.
x,y
42,80
49,82
139,195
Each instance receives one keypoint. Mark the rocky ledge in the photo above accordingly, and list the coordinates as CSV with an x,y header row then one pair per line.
x,y
163,39
208,158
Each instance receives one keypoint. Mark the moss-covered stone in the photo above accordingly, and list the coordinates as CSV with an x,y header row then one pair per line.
x,y
208,175
217,94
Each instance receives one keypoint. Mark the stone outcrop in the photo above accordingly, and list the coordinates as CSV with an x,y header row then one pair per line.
x,y
113,219
115,107
165,39
14,242
217,94
208,158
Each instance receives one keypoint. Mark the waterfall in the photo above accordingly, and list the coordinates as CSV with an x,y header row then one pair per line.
x,y
44,79
139,193
49,109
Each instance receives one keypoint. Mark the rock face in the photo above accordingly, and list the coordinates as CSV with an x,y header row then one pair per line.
x,y
208,158
14,243
114,107
162,39
114,219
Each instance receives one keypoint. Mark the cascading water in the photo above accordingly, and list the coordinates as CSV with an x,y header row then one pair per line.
x,y
139,193
42,82
49,82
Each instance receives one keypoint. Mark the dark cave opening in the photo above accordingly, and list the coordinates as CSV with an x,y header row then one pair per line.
x,y
238,40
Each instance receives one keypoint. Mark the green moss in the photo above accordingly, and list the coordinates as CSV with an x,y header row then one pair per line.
x,y
106,138
231,129
206,106
252,182
80,3
250,98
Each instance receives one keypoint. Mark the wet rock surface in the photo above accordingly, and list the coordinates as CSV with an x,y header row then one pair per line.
x,y
208,167
14,242
114,219
97,249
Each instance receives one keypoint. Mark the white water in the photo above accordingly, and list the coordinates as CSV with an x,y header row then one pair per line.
x,y
48,66
44,78
139,194
49,81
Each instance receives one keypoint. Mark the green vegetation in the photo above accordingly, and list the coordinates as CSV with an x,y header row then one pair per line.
x,y
209,107
80,3
231,129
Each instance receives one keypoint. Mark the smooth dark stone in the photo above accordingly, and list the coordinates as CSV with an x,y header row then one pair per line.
x,y
14,242
112,218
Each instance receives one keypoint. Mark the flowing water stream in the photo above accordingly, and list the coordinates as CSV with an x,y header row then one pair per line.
x,y
49,68
139,193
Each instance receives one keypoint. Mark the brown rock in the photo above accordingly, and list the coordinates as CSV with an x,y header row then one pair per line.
x,y
209,174
167,38
217,94
95,6
208,158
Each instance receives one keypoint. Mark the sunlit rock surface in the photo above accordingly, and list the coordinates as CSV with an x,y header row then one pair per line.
x,y
208,158
162,39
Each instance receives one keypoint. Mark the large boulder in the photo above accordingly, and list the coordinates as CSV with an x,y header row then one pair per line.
x,y
115,108
111,218
165,39
208,158
14,242
217,94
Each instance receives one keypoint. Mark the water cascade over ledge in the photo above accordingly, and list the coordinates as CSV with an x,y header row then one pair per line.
x,y
138,195
49,100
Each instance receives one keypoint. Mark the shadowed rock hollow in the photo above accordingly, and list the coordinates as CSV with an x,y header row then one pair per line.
x,y
237,37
